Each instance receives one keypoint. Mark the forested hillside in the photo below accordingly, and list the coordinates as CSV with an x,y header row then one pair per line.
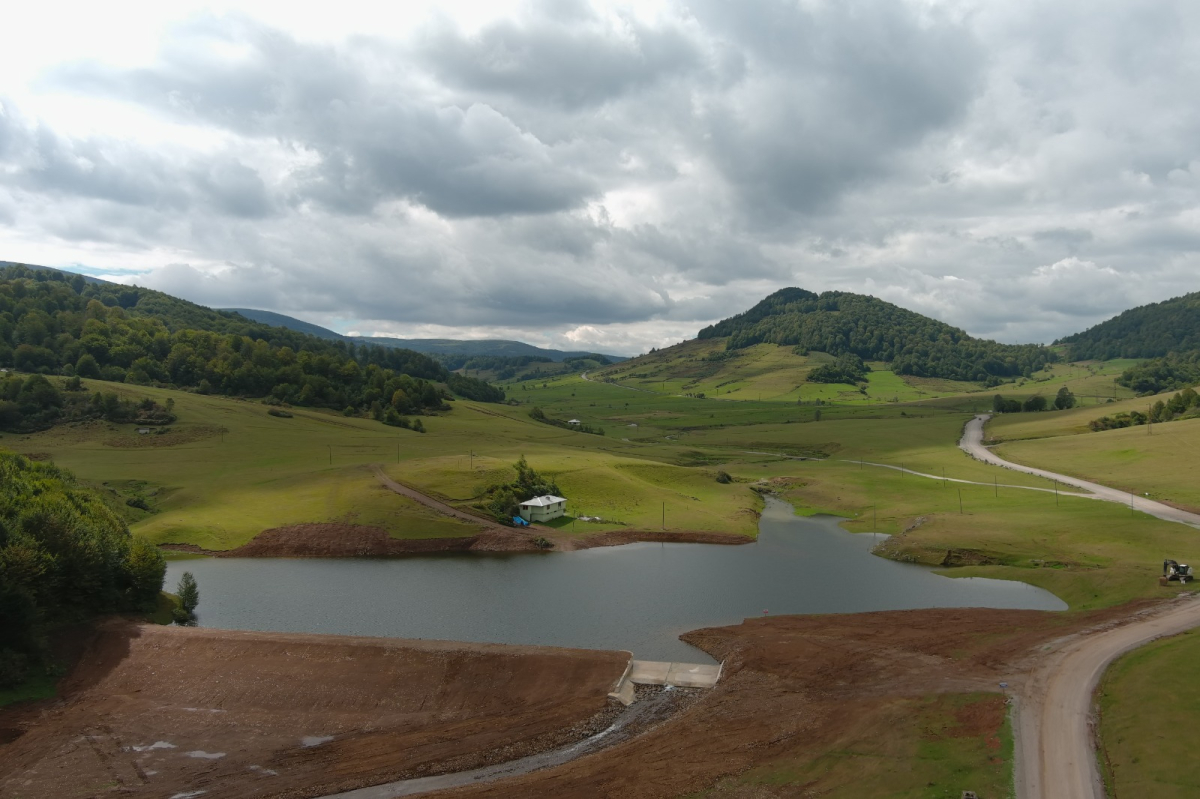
x,y
53,323
64,556
1149,331
840,323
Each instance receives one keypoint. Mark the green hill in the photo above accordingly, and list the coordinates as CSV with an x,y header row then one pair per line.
x,y
57,323
844,324
1149,331
450,351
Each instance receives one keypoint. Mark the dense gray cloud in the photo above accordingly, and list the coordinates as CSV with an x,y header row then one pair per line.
x,y
581,176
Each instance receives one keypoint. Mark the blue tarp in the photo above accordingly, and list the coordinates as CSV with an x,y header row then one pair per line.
x,y
519,522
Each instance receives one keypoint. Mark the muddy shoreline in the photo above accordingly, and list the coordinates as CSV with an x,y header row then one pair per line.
x,y
245,714
337,540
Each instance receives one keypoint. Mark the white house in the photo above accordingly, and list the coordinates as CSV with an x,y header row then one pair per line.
x,y
543,509
572,421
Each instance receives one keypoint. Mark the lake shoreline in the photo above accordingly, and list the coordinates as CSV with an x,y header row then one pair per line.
x,y
337,540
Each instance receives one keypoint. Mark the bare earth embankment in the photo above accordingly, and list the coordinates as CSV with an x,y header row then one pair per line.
x,y
155,711
148,710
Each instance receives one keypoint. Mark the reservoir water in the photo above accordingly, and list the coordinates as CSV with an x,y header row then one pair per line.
x,y
638,597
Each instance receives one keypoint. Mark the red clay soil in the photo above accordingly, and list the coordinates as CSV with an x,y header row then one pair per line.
x,y
793,688
154,711
613,538
796,687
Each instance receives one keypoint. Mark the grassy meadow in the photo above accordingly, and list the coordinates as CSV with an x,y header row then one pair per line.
x,y
910,748
227,470
1148,706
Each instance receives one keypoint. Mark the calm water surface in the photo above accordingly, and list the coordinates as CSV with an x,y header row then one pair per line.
x,y
638,597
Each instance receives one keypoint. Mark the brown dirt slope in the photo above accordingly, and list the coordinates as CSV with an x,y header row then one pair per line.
x,y
796,687
152,711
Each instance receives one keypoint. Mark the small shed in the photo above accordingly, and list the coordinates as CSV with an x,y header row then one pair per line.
x,y
573,421
143,431
543,509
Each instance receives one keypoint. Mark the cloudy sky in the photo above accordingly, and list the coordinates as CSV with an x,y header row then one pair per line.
x,y
610,176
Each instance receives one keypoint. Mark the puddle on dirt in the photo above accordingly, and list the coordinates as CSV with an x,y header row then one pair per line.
x,y
637,597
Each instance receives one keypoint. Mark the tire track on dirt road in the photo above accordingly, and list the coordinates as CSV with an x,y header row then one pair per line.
x,y
1055,749
972,444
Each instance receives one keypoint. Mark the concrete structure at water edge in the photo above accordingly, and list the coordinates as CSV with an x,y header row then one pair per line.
x,y
543,509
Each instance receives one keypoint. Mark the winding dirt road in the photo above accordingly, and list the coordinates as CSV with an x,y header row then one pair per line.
x,y
972,443
1055,753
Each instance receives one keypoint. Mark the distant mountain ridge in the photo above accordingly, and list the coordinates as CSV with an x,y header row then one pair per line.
x,y
842,323
1148,331
427,346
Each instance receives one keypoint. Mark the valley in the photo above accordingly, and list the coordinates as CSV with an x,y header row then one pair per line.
x,y
844,503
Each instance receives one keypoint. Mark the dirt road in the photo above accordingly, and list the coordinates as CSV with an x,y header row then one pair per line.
x,y
430,502
1056,758
972,443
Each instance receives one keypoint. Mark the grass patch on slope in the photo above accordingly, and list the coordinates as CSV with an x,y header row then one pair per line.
x,y
1148,708
1087,552
932,746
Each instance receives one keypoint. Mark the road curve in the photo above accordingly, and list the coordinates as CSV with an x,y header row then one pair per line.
x,y
972,443
1055,753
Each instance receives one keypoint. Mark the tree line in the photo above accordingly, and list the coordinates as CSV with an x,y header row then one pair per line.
x,y
843,323
1157,375
1062,400
64,556
1184,405
53,323
36,403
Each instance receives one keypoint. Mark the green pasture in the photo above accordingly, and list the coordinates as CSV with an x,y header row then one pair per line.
x,y
766,373
1158,461
1087,552
911,748
1148,708
227,470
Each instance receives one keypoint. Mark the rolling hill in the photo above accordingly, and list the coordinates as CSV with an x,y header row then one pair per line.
x,y
1149,331
57,323
845,324
501,348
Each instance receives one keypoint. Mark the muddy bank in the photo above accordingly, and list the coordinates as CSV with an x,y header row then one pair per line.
x,y
336,540
614,538
154,711
796,688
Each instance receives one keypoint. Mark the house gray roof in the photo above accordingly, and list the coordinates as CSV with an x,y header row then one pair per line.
x,y
549,499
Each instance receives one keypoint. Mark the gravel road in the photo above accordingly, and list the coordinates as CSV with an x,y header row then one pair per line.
x,y
972,443
1055,753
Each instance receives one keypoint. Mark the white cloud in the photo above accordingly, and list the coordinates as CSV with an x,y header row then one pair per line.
x,y
610,175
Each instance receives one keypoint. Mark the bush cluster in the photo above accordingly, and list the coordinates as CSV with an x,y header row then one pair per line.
x,y
64,556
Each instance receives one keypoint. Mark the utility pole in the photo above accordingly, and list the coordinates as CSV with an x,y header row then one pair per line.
x,y
1056,492
664,520
996,485
960,510
330,454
